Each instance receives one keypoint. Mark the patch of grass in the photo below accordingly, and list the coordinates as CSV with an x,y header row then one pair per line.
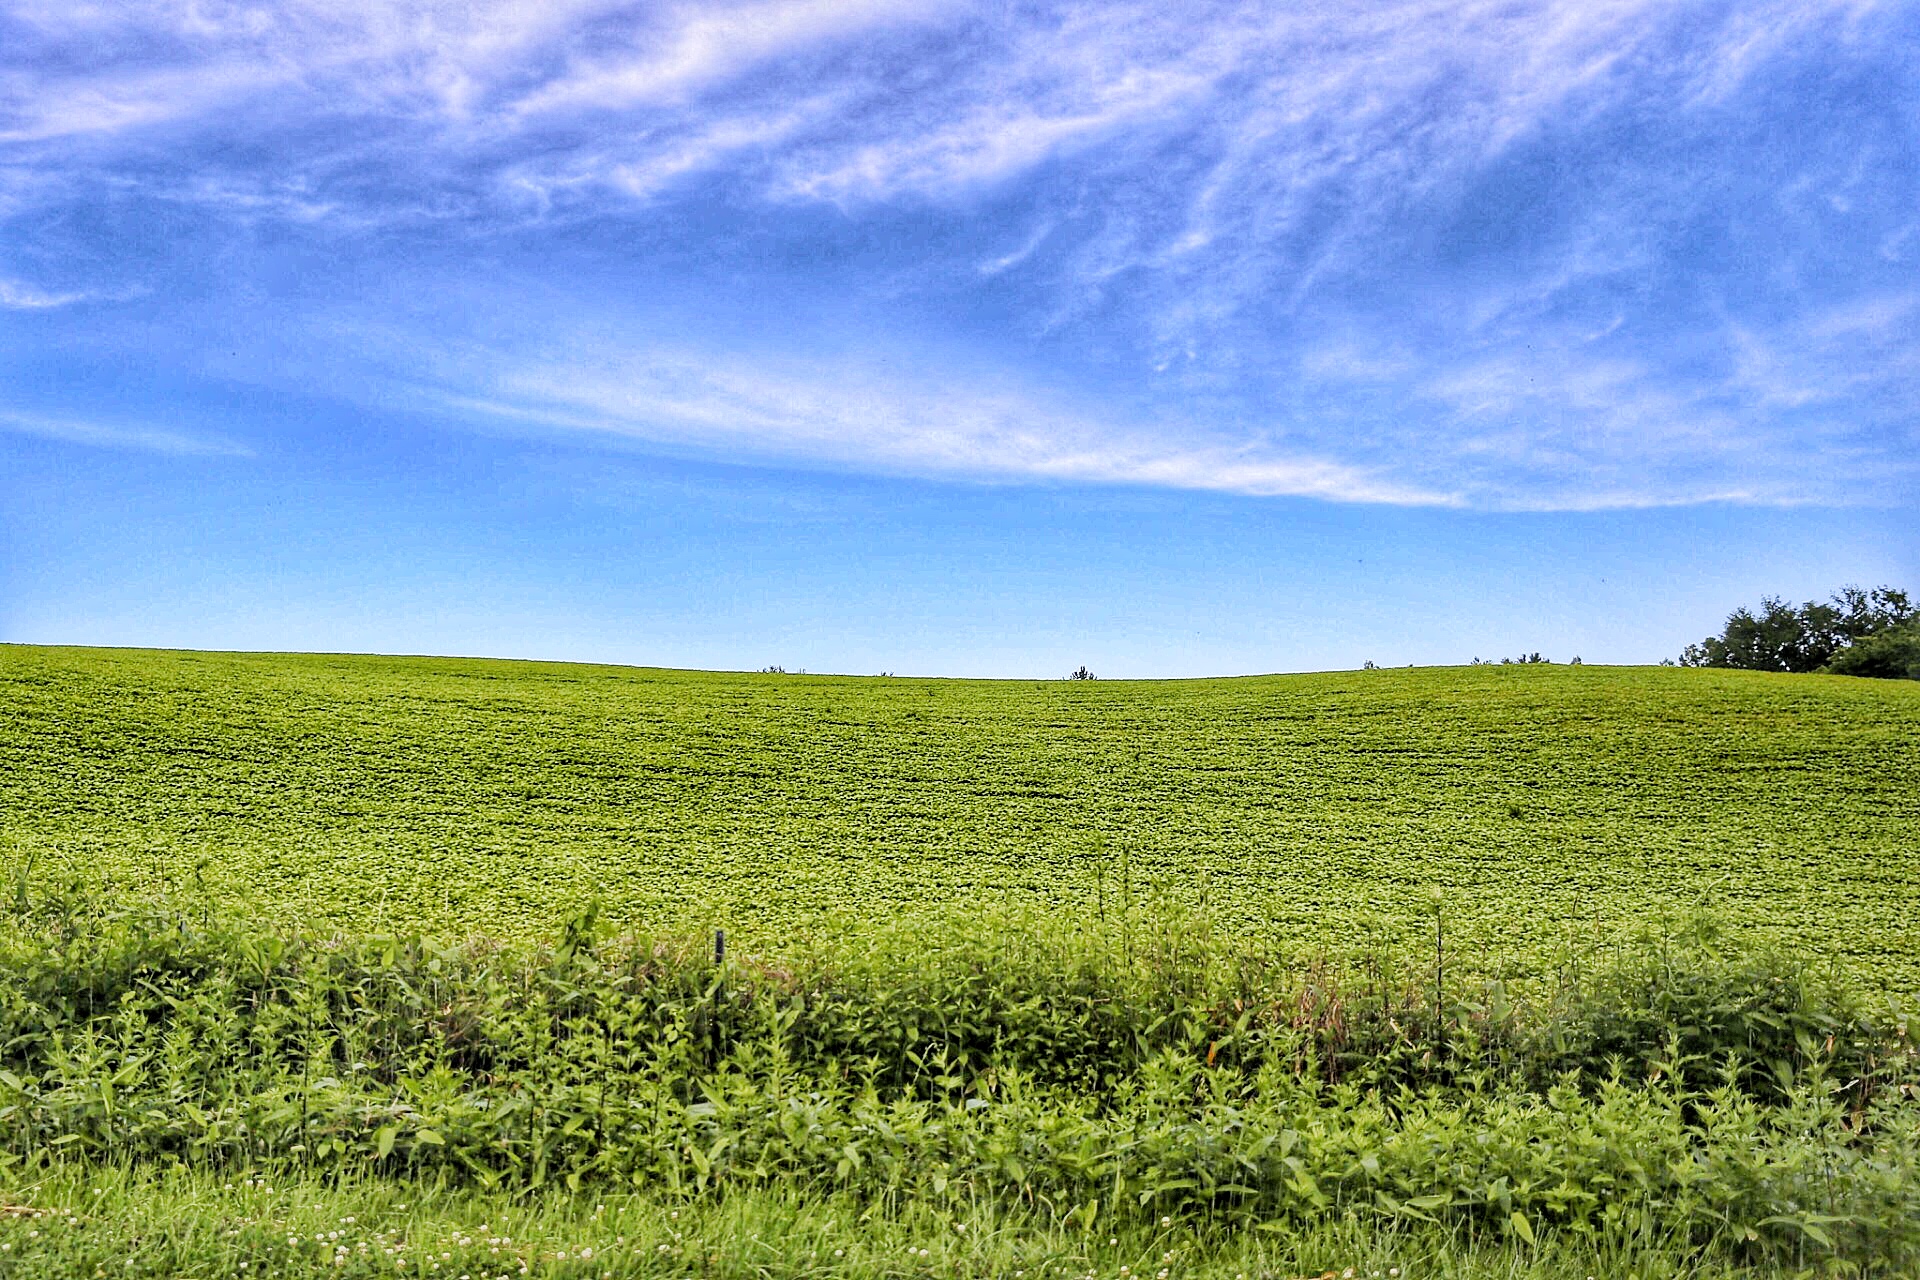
x,y
116,1221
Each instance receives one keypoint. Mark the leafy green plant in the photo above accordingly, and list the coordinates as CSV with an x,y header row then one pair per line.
x,y
1189,1082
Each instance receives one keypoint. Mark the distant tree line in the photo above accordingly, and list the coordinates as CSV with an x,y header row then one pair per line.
x,y
1856,633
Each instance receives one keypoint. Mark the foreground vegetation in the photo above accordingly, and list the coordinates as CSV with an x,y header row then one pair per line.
x,y
1550,805
114,1221
1676,1103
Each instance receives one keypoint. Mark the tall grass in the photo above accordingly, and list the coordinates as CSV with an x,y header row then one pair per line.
x,y
138,1223
1738,1107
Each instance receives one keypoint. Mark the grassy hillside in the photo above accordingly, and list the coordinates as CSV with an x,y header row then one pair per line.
x,y
1546,803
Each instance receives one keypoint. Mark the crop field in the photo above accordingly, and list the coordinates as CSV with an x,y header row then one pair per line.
x,y
350,966
1543,806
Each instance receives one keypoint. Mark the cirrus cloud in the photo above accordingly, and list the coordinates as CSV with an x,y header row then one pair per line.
x,y
1533,254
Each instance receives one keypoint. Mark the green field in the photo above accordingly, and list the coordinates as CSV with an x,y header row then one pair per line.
x,y
353,966
1550,805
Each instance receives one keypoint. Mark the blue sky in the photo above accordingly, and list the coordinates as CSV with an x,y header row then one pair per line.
x,y
989,340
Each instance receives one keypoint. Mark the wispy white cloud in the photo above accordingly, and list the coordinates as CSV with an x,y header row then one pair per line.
x,y
15,296
692,48
876,419
1320,90
1033,240
1478,250
118,435
646,172
1562,431
1051,89
1565,428
1262,106
63,107
1877,316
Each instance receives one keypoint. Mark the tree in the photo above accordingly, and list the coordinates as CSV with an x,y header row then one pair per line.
x,y
1868,613
1774,639
1780,637
1893,654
